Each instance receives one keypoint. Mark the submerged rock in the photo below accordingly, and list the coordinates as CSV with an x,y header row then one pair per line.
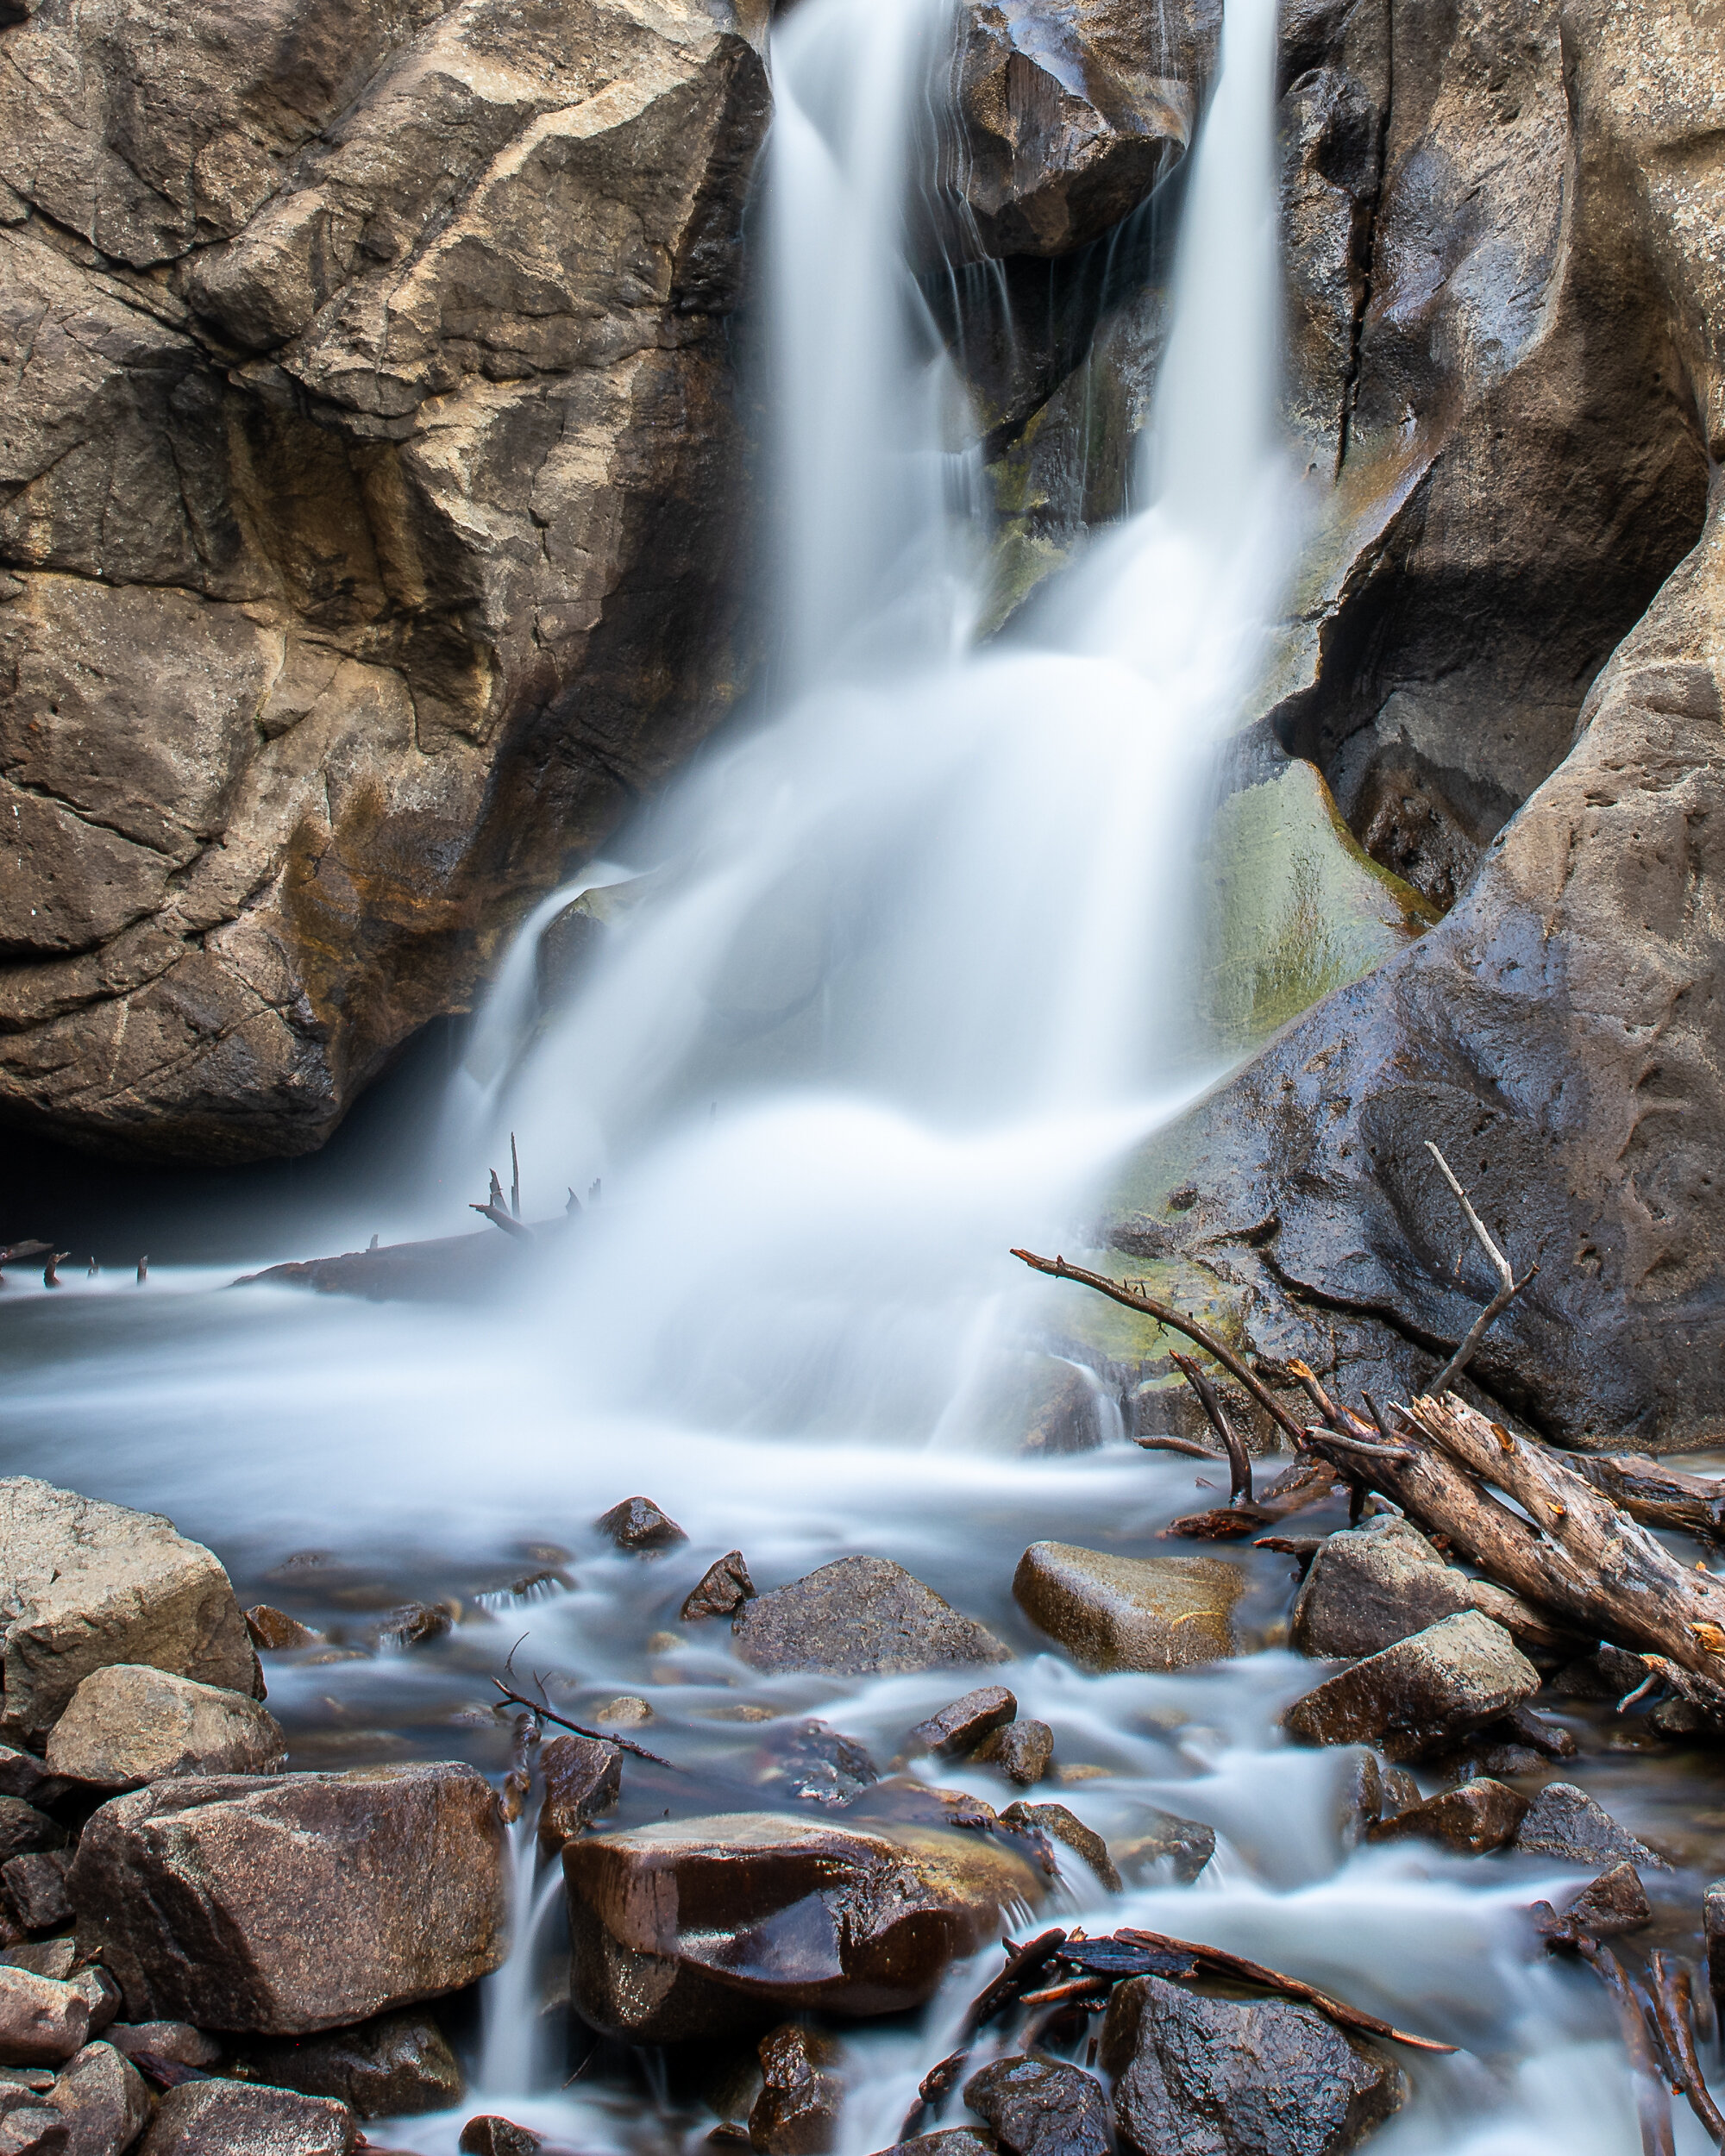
x,y
1201,2076
202,2117
1023,1750
638,1524
297,1902
702,1927
582,1777
84,1584
859,1616
721,1589
1114,1612
962,1726
128,1725
818,1765
103,2101
1565,1821
489,2134
390,2067
797,2111
1480,1815
1420,1692
1063,1826
1041,2106
1185,1845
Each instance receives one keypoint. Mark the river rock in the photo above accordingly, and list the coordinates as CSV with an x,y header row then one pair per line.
x,y
702,1927
200,2118
962,1726
1565,1823
22,1775
177,2042
30,2126
54,1958
1201,2076
1063,1826
1480,1815
491,2134
1023,1750
41,2022
35,1888
1423,1691
128,1725
23,1828
1114,1612
296,1902
277,1632
1041,2106
386,2068
817,1764
582,1777
859,1616
104,2100
637,1524
797,2111
102,1993
950,2141
84,1584
1184,1846
1615,1901
1371,1586
721,1589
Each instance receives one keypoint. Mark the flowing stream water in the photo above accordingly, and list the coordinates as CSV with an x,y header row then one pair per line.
x,y
896,988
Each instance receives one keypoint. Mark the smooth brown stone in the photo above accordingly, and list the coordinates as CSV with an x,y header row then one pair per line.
x,y
1117,1613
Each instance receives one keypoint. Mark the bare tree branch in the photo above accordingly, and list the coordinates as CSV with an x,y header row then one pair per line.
x,y
1507,1285
1240,1467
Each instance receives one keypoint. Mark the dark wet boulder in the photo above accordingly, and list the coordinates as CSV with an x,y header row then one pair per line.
x,y
491,2134
1201,2076
638,1526
797,2111
1041,2106
582,1778
859,1616
1064,1826
221,2118
1565,1823
960,1726
1478,1816
283,1904
1184,1846
706,1927
720,1591
1615,1901
104,2100
1115,1613
128,1725
1022,1751
1420,1693
394,2066
41,2021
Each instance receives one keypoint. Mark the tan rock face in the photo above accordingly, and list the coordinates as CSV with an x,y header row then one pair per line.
x,y
128,1725
294,1902
701,1927
84,1584
366,519
1114,1612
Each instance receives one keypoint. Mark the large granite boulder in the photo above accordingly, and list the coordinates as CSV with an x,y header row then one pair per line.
x,y
128,1725
282,1904
84,1585
1423,1692
368,491
696,1927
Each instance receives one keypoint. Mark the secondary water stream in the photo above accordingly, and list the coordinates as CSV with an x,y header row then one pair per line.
x,y
900,988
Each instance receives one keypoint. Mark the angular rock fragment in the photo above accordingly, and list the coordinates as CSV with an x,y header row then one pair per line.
x,y
102,1993
23,1828
950,2140
22,1775
1023,1752
1041,2106
703,1926
1229,2077
103,2101
1113,1612
797,2111
176,2041
1371,1586
41,2022
83,1585
1184,1846
397,2065
35,1888
1480,1815
1413,1696
1615,1901
212,2118
637,1524
960,1728
1565,1823
127,1724
859,1616
818,1765
721,1589
582,1777
53,1957
1064,1826
29,2124
413,1625
294,1902
492,2136
276,1632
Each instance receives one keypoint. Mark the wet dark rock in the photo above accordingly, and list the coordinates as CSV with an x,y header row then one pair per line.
x,y
35,1888
1420,1692
950,2141
29,2124
1615,1901
720,1591
84,1584
708,1927
1201,2076
859,1616
959,1727
1368,1587
1184,1846
1114,1612
128,1725
22,1775
904,1801
1481,1816
1063,1826
492,2136
276,1631
1565,1823
1040,2107
41,2022
637,1524
389,2067
23,1828
582,1777
104,2100
414,1624
176,2041
201,2118
1521,1725
1023,1750
817,1764
797,2112
1607,1673
386,1887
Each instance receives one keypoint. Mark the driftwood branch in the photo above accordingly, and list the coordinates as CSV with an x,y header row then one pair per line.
x,y
500,1218
1507,1285
1187,1445
514,1178
599,1736
1653,2099
1309,1482
1674,2004
1657,1495
1166,1315
1240,1467
1212,1961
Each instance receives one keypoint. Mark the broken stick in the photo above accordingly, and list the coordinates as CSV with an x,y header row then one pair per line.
x,y
1507,1285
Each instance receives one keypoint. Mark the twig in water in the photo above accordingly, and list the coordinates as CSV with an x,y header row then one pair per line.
x,y
515,1178
599,1736
1507,1285
51,1271
1190,1445
143,1268
1240,1467
1024,1966
1674,2002
499,1219
1653,2099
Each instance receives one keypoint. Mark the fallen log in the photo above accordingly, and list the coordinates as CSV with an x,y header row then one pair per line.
x,y
1657,1496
